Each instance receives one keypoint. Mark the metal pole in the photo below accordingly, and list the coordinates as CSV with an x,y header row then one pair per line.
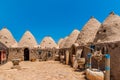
x,y
89,60
107,66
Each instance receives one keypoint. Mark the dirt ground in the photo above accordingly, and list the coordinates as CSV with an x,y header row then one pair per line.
x,y
49,70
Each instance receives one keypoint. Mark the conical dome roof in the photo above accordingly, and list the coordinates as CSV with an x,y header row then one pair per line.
x,y
60,41
63,42
88,32
27,40
48,42
109,30
71,39
6,38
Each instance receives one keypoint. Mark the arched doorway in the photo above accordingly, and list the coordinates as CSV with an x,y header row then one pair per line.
x,y
26,54
49,55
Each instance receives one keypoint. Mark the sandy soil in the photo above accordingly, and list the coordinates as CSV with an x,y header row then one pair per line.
x,y
49,70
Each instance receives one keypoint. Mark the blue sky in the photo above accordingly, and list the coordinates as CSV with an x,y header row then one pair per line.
x,y
56,18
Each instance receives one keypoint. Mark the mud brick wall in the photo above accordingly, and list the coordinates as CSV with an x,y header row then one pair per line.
x,y
16,53
46,54
34,54
19,53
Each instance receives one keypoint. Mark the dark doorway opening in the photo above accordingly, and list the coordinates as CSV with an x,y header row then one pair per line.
x,y
26,54
0,57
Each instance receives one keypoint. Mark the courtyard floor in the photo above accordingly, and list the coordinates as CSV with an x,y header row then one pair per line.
x,y
46,70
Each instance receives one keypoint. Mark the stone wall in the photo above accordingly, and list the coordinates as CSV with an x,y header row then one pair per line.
x,y
47,54
19,53
34,54
16,53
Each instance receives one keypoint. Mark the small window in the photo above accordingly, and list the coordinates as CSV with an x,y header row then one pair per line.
x,y
116,24
104,30
98,48
49,54
40,52
17,50
99,32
